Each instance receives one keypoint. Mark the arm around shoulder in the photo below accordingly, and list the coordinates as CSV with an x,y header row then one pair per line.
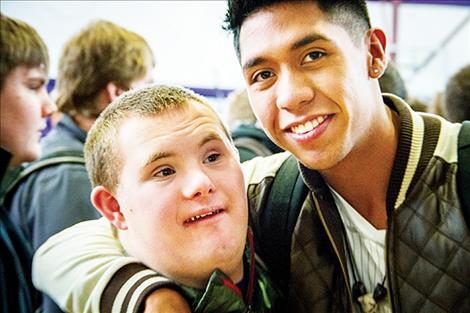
x,y
84,269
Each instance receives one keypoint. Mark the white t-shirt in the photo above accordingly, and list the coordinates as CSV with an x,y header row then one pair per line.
x,y
367,245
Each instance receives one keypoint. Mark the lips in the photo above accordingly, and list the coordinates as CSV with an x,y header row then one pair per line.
x,y
201,215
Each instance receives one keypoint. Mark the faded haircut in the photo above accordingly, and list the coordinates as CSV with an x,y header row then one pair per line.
x,y
100,53
20,44
352,15
102,154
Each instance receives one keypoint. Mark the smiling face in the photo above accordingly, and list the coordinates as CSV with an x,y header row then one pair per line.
x,y
181,193
309,84
25,104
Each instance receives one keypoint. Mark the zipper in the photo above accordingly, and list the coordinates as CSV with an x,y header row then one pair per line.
x,y
387,263
251,282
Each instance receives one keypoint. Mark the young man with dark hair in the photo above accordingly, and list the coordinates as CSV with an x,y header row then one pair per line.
x,y
382,228
24,105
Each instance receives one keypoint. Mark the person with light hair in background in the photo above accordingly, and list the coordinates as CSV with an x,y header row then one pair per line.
x,y
24,106
96,65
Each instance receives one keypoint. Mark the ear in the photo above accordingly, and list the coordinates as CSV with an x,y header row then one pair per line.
x,y
377,55
112,91
108,206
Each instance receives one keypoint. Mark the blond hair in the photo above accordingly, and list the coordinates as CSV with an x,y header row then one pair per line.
x,y
101,53
102,154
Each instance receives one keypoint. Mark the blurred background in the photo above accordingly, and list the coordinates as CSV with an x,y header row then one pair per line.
x,y
428,40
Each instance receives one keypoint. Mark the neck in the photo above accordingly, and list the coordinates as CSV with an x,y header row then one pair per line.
x,y
362,177
84,122
100,102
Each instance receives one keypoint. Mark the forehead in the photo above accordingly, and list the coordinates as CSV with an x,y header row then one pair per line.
x,y
35,71
171,123
289,26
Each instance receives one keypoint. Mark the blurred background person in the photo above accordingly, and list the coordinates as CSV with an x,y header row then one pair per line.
x,y
392,82
24,106
457,96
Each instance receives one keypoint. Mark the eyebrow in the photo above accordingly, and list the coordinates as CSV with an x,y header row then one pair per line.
x,y
162,155
157,156
306,41
296,45
209,137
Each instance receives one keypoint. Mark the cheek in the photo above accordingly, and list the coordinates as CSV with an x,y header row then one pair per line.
x,y
264,110
158,209
236,190
143,204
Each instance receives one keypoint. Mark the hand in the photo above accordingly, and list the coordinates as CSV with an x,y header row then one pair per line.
x,y
166,301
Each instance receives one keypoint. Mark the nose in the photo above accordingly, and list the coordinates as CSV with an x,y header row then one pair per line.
x,y
47,105
198,185
294,90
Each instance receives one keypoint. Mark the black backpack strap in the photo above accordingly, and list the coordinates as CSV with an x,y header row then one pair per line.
x,y
278,219
463,172
15,176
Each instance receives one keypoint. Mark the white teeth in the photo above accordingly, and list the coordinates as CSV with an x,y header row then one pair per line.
x,y
308,126
197,217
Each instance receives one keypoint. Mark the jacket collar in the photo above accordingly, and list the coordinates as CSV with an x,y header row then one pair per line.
x,y
67,124
414,150
221,286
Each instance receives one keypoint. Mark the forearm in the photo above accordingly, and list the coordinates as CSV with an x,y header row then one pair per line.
x,y
166,301
83,268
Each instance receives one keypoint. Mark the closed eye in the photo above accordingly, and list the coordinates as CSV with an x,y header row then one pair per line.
x,y
36,84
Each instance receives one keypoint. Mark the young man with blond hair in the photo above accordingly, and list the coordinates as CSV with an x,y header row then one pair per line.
x,y
167,177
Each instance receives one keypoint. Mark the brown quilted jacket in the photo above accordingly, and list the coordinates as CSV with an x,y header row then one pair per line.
x,y
427,242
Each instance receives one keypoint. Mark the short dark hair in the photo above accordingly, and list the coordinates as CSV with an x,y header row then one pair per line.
x,y
20,44
351,14
457,96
